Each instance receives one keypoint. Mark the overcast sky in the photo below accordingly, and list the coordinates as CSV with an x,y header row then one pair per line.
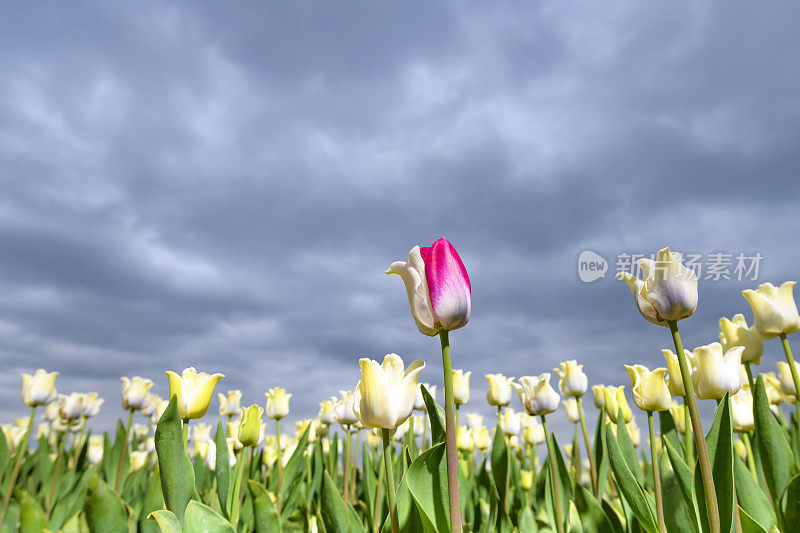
x,y
223,185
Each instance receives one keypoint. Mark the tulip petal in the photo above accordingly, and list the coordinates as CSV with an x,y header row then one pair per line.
x,y
413,275
448,284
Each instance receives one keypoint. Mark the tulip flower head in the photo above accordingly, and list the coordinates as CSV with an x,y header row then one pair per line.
x,y
667,290
650,392
742,417
419,400
326,414
615,401
571,407
151,404
134,392
474,420
716,373
774,309
437,285
525,479
40,388
533,432
599,398
674,380
464,439
481,438
785,377
499,389
387,391
678,416
573,382
537,395
138,459
250,426
774,390
277,403
70,407
193,391
511,422
461,386
344,408
91,404
230,404
736,333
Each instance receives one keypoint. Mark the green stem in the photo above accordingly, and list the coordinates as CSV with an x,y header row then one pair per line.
x,y
387,464
588,448
354,467
551,460
185,434
751,464
77,444
237,484
378,501
413,437
124,452
23,447
792,368
450,434
712,508
688,445
656,477
280,464
52,497
346,488
749,372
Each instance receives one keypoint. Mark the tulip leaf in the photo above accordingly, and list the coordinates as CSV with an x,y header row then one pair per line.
x,y
628,484
153,501
751,498
409,516
427,482
628,449
4,453
593,518
500,464
600,453
222,468
564,479
775,453
436,417
265,514
290,472
334,511
167,521
667,427
31,515
791,504
679,514
684,479
105,511
202,519
177,474
749,524
719,443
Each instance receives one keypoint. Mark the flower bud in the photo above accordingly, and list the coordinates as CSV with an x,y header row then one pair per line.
x,y
499,389
463,439
533,433
474,420
571,406
674,379
740,449
599,398
481,439
649,389
277,403
525,479
250,426
572,380
537,395
461,386
193,391
510,422
138,459
742,417
343,408
678,413
774,309
785,376
615,401
40,388
91,404
326,414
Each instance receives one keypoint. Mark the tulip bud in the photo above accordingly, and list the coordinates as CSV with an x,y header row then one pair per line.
x,y
481,439
70,407
461,386
785,373
537,395
474,420
343,408
387,391
716,373
230,404
599,398
740,449
615,401
774,309
250,426
525,479
94,450
571,406
572,380
533,433
193,391
402,429
277,403
649,389
674,380
736,333
437,285
510,422
742,411
39,389
463,439
138,459
667,290
326,414
499,389
419,400
678,416
134,392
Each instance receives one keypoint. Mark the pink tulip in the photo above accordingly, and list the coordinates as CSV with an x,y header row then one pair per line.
x,y
437,285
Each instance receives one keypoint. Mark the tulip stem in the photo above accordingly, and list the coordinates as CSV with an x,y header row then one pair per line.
x,y
413,437
592,467
280,465
450,434
378,501
656,476
124,451
751,464
792,368
387,463
749,376
185,434
354,466
59,457
346,488
688,446
23,447
551,460
712,508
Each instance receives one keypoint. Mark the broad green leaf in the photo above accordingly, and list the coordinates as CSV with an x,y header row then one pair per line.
x,y
684,477
4,453
167,521
668,430
153,501
31,516
292,471
202,519
265,513
222,471
749,525
628,485
752,499
436,417
791,504
334,511
775,453
408,514
500,464
573,520
680,514
593,518
427,482
527,523
104,510
177,474
719,443
628,449
600,454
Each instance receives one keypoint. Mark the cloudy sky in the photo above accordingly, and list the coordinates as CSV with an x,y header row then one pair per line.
x,y
222,185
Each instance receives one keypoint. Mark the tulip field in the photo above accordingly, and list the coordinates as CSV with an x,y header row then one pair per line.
x,y
390,454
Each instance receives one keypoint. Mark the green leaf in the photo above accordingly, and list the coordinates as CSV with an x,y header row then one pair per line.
x,y
177,474
334,511
265,513
679,514
684,479
427,482
628,449
668,430
775,453
600,454
500,464
436,417
31,516
111,456
292,469
749,525
104,510
153,501
628,485
593,518
719,443
222,467
752,499
791,504
408,514
574,524
167,521
201,518
4,454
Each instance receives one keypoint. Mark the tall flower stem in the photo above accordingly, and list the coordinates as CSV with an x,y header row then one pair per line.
x,y
751,463
237,486
346,487
592,467
662,528
23,447
60,453
354,466
749,375
387,464
551,459
124,451
185,434
792,368
413,437
450,434
699,437
378,501
688,445
280,464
